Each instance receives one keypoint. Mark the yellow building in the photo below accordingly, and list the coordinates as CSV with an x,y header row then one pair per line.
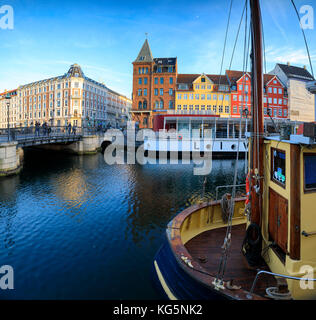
x,y
203,94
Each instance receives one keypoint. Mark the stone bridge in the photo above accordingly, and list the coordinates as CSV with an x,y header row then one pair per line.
x,y
80,141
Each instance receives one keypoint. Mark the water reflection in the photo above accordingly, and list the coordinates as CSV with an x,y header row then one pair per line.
x,y
74,227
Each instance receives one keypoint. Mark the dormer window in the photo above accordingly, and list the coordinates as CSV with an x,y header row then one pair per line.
x,y
141,58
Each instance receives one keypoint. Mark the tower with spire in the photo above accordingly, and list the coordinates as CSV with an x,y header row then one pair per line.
x,y
154,84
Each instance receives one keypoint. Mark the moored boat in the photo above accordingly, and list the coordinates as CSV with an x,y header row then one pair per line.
x,y
259,247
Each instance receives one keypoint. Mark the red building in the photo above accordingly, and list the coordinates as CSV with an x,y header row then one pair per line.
x,y
275,96
154,83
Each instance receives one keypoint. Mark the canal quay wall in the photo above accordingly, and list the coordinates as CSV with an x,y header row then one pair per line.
x,y
11,158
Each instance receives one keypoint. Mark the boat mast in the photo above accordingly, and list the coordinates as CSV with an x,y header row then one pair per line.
x,y
256,166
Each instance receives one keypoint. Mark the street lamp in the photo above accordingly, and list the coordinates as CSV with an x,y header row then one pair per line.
x,y
8,97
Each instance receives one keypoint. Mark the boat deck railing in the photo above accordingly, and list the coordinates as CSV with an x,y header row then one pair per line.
x,y
249,296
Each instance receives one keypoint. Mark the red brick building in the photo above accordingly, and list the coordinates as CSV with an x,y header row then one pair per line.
x,y
275,96
154,84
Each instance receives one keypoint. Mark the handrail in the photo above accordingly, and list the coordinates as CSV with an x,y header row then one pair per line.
x,y
307,234
228,186
249,296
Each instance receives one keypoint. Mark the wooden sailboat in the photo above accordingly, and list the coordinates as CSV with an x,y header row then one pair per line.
x,y
266,247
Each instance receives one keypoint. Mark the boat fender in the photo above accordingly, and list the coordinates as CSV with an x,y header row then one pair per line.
x,y
252,245
226,207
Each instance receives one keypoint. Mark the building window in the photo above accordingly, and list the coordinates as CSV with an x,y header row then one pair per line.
x,y
139,80
170,80
202,96
197,96
270,90
139,105
197,86
170,69
139,92
278,167
179,96
161,80
145,92
156,92
274,90
280,91
161,104
170,104
170,92
145,104
156,80
220,109
161,92
209,96
145,80
226,109
185,96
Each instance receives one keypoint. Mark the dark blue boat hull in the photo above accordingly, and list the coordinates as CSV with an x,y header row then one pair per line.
x,y
179,282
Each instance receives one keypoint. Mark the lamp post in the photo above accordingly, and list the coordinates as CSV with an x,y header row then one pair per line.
x,y
8,97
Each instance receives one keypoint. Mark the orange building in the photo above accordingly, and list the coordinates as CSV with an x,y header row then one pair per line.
x,y
154,84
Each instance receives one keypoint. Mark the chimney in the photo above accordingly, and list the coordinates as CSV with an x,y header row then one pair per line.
x,y
288,63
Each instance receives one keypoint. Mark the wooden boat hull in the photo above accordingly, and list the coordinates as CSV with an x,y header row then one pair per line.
x,y
175,283
180,276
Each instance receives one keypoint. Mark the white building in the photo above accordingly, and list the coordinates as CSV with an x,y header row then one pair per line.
x,y
301,102
71,98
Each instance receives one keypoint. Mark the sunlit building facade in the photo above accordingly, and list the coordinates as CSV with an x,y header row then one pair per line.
x,y
71,98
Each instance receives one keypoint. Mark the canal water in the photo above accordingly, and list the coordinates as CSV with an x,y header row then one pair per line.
x,y
76,228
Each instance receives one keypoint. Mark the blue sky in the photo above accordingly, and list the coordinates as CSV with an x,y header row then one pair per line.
x,y
104,37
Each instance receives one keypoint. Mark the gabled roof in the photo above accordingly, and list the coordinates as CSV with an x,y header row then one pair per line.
x,y
145,54
189,78
295,72
234,76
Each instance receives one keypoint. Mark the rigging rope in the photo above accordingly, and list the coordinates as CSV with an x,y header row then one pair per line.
x,y
227,241
306,45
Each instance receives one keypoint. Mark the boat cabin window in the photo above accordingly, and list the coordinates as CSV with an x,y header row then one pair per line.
x,y
278,167
310,172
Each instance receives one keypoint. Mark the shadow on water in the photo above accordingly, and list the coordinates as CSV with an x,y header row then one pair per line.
x,y
74,227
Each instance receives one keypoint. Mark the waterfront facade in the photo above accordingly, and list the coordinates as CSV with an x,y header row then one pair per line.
x,y
198,94
154,83
301,103
72,98
275,97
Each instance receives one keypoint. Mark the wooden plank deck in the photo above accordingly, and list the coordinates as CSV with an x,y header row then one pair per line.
x,y
206,249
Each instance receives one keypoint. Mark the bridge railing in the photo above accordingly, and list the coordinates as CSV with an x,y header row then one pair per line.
x,y
32,132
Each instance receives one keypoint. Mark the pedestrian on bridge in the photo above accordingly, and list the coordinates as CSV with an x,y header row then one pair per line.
x,y
37,129
69,128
